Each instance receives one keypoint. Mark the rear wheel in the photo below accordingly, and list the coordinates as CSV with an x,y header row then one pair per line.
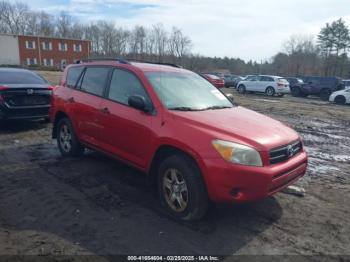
x,y
181,188
340,100
67,141
325,94
241,89
270,91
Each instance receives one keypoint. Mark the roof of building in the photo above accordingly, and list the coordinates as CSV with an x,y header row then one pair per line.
x,y
51,37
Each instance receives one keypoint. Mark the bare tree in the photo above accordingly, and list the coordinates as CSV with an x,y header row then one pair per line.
x,y
161,39
64,25
13,16
179,44
47,24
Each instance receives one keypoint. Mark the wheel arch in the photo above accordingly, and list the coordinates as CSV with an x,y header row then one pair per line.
x,y
59,115
166,150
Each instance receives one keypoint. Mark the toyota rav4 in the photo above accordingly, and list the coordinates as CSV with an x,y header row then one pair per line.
x,y
192,141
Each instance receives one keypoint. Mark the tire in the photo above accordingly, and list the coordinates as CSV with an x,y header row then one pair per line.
x,y
340,100
325,94
67,141
181,188
270,91
241,89
296,91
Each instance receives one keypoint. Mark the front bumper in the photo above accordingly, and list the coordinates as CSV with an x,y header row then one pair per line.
x,y
234,183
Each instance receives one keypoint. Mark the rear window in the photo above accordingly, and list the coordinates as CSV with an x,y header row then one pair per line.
x,y
73,75
283,80
20,77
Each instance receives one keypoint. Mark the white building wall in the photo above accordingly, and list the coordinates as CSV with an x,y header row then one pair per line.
x,y
9,50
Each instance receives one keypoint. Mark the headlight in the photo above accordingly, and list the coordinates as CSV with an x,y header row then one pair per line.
x,y
237,153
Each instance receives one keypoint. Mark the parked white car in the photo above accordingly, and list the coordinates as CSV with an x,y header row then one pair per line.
x,y
270,85
341,96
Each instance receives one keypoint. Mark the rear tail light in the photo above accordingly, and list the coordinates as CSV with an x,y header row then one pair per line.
x,y
1,89
280,84
51,87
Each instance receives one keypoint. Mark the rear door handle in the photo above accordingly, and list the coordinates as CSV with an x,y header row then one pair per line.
x,y
71,100
105,110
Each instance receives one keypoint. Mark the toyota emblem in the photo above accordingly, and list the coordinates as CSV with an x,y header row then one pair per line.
x,y
30,91
290,151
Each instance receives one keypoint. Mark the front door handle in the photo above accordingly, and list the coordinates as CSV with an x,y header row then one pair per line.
x,y
71,100
105,110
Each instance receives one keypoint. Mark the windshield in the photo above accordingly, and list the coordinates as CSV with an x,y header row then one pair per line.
x,y
187,92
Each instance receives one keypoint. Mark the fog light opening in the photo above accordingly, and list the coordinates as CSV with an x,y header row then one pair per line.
x,y
235,192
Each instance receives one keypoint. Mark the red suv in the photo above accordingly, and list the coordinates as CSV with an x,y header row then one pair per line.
x,y
191,140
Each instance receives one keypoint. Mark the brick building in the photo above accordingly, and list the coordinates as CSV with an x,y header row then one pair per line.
x,y
40,50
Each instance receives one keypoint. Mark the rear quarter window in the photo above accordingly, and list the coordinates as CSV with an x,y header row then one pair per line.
x,y
73,75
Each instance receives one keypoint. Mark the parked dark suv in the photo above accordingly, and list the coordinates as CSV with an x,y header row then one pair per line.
x,y
319,86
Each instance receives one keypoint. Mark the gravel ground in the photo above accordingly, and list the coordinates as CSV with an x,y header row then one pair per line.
x,y
93,205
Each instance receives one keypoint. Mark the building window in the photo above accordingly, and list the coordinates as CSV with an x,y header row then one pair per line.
x,y
77,47
32,61
47,45
30,44
62,46
48,62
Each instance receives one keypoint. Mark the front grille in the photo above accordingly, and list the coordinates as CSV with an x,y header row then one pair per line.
x,y
283,153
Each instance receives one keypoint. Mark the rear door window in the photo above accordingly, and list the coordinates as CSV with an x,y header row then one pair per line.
x,y
123,85
73,75
94,80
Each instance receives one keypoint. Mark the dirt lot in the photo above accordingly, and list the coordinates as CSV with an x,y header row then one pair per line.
x,y
95,205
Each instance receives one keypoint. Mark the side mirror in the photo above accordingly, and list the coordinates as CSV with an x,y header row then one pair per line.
x,y
230,97
138,102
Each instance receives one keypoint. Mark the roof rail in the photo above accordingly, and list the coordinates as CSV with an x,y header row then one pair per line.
x,y
156,63
119,60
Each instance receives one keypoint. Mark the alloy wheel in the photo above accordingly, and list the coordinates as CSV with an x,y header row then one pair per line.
x,y
65,137
175,190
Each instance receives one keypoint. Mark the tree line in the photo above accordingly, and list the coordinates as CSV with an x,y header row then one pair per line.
x,y
323,55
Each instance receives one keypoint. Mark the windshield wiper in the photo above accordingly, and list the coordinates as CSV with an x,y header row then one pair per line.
x,y
184,108
216,107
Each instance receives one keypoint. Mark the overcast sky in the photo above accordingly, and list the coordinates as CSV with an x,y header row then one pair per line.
x,y
235,28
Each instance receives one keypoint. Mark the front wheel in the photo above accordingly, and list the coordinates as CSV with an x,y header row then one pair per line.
x,y
67,141
340,100
181,188
270,91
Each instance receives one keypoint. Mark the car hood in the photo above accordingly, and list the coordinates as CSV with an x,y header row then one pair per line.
x,y
241,125
339,92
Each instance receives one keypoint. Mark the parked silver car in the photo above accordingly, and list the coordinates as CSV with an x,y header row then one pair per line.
x,y
270,85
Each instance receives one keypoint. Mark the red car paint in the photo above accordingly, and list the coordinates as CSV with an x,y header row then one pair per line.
x,y
215,80
135,136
